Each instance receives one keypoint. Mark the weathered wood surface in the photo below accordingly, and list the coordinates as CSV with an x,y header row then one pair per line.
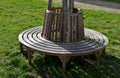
x,y
63,26
63,35
94,41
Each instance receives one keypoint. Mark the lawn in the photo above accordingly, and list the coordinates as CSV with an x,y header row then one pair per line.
x,y
18,15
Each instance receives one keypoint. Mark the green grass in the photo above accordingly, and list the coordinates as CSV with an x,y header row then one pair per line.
x,y
18,15
113,1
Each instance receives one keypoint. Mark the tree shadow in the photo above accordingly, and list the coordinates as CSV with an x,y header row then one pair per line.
x,y
106,4
77,68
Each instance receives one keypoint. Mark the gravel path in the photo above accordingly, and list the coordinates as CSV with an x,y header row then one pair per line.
x,y
97,5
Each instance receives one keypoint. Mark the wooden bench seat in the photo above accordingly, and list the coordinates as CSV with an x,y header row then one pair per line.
x,y
94,42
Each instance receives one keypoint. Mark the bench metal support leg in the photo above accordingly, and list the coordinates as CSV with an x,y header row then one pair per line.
x,y
98,57
29,54
64,59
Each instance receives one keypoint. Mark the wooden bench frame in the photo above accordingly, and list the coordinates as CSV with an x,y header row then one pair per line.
x,y
73,39
31,41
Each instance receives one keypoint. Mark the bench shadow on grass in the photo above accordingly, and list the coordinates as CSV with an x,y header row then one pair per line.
x,y
77,68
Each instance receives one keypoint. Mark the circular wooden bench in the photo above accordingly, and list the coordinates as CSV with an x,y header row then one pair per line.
x,y
93,43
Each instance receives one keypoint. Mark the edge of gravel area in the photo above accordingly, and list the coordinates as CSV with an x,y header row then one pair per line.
x,y
96,5
99,5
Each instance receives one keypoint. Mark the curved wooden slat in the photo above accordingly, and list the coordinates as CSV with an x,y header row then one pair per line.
x,y
94,41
